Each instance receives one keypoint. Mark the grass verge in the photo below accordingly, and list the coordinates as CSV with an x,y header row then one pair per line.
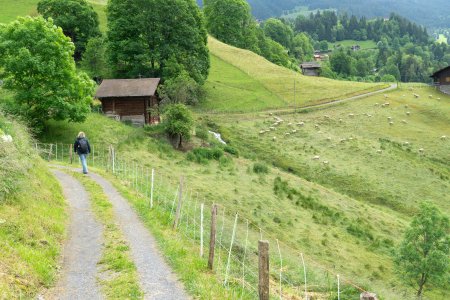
x,y
118,276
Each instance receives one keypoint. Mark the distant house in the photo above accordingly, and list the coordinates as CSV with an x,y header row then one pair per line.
x,y
310,68
442,79
356,47
132,100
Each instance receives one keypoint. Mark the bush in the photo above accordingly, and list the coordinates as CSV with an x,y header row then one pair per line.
x,y
181,89
231,150
203,155
201,133
178,123
260,168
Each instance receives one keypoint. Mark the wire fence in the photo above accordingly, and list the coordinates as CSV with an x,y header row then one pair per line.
x,y
236,257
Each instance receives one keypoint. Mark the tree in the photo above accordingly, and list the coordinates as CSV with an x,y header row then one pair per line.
x,y
148,37
302,48
231,22
181,89
423,255
341,63
94,59
279,32
37,64
77,18
178,123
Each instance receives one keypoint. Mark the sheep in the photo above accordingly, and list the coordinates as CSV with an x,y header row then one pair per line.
x,y
430,96
376,104
329,139
404,122
274,138
316,126
340,120
326,162
369,115
317,157
294,130
300,123
379,151
383,106
270,114
351,115
287,134
387,104
389,118
385,96
438,98
421,150
326,117
350,139
342,140
405,143
406,106
416,95
391,123
443,137
289,124
272,128
262,132
408,113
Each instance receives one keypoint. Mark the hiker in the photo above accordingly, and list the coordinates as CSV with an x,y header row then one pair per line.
x,y
82,147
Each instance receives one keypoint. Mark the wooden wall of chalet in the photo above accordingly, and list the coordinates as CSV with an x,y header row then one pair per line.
x,y
126,107
444,77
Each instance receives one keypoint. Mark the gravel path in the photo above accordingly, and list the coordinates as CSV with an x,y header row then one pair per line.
x,y
156,278
83,248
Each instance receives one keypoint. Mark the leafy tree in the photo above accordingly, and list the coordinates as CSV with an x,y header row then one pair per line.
x,y
37,64
302,48
148,37
423,255
77,18
181,89
279,32
178,123
94,59
230,21
341,63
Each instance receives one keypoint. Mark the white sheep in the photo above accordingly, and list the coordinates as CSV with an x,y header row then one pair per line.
x,y
421,150
416,95
404,122
342,140
443,137
406,143
301,123
389,118
294,130
430,96
387,104
408,113
287,134
316,125
289,124
317,157
369,115
350,139
379,151
326,162
391,123
406,106
340,120
376,104
438,98
272,128
329,139
274,138
270,114
262,132
385,96
351,115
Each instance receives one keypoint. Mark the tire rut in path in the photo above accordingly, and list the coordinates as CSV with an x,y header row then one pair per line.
x,y
82,250
156,278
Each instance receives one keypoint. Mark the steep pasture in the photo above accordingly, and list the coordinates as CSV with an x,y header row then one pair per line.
x,y
278,81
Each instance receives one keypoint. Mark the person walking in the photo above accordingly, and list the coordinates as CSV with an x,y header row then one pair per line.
x,y
82,148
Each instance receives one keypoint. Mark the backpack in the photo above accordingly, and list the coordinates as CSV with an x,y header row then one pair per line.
x,y
83,146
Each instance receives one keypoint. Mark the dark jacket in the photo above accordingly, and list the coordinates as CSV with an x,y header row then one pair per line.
x,y
77,148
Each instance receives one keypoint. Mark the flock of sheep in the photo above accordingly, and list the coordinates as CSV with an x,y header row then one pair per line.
x,y
294,127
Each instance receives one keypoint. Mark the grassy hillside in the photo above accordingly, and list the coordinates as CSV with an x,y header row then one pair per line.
x,y
360,202
32,217
275,84
10,10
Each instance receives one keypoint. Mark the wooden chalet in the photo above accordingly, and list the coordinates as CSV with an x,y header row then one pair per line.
x,y
133,100
442,79
310,68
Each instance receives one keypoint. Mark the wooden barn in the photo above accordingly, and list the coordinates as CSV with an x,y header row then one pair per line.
x,y
133,100
442,79
310,68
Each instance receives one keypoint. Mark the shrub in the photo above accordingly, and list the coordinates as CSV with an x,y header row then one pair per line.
x,y
203,155
260,168
201,133
231,150
178,123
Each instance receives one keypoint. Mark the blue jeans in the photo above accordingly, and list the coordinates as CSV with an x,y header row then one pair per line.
x,y
83,162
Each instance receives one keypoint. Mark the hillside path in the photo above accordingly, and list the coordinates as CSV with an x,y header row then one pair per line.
x,y
155,277
82,250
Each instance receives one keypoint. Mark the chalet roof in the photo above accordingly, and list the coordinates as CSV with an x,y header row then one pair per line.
x,y
310,65
436,74
127,87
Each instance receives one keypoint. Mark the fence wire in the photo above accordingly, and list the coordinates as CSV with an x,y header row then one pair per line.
x,y
292,274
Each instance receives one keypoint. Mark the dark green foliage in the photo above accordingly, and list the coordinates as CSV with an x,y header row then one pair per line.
x,y
360,230
279,32
202,133
37,64
157,38
181,89
94,59
423,255
203,155
260,168
231,150
77,19
178,123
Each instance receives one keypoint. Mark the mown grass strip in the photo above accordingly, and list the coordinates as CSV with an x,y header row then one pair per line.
x,y
118,278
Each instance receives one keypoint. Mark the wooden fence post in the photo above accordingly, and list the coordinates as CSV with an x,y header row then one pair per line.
x,y
212,239
263,253
180,199
71,153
